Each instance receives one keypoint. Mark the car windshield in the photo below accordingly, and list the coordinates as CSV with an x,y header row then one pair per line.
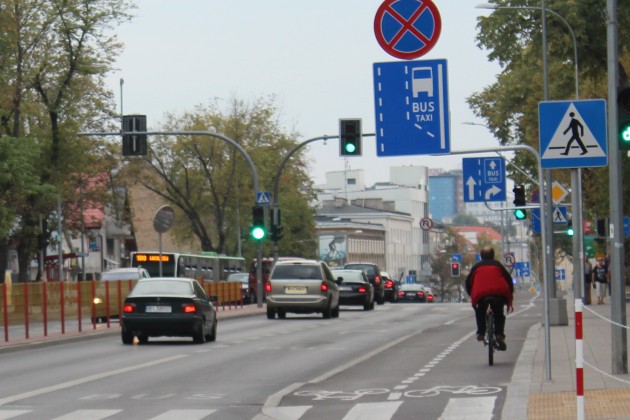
x,y
124,275
162,288
290,272
242,277
411,287
350,276
367,269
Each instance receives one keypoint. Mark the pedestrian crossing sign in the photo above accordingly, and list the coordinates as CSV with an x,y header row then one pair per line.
x,y
573,134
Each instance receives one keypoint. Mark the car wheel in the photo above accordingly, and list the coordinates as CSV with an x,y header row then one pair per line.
x,y
327,313
335,312
143,339
271,314
199,336
367,306
282,314
212,336
127,336
381,300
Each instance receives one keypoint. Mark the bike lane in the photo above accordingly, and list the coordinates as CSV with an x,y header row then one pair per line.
x,y
442,371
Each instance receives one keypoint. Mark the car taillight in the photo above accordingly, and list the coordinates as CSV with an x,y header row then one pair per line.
x,y
377,280
362,289
129,307
324,287
430,298
420,294
189,308
401,293
268,287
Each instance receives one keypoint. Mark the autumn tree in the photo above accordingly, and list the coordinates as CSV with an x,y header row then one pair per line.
x,y
53,58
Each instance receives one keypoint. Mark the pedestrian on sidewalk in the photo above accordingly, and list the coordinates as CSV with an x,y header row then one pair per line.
x,y
601,277
588,278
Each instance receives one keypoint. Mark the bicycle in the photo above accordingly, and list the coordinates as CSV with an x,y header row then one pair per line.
x,y
490,338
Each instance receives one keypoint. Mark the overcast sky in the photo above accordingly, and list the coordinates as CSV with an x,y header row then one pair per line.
x,y
315,56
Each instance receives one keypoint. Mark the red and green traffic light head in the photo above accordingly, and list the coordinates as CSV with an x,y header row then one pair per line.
x,y
258,231
350,137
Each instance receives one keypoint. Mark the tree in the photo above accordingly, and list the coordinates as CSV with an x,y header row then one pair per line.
x,y
210,184
53,56
510,105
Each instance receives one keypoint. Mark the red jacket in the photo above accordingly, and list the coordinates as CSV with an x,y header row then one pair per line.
x,y
489,278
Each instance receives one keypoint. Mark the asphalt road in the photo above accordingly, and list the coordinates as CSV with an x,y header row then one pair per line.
x,y
399,361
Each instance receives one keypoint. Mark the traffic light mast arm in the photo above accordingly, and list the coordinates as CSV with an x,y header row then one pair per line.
x,y
276,179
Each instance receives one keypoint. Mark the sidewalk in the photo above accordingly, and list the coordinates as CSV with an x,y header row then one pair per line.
x,y
36,336
606,396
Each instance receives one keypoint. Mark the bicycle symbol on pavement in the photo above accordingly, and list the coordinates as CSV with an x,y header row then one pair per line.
x,y
416,393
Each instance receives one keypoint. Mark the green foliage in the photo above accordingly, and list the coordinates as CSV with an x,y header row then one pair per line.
x,y
509,106
210,183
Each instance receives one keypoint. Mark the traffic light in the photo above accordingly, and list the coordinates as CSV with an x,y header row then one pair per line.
x,y
569,227
134,144
623,118
258,231
455,269
350,137
519,200
276,232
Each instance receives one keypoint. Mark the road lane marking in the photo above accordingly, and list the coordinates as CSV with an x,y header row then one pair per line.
x,y
373,411
190,414
88,414
9,414
84,380
468,408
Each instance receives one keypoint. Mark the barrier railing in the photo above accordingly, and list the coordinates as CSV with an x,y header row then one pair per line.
x,y
579,356
42,305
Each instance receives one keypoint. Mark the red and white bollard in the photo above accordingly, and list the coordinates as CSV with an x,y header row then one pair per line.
x,y
579,360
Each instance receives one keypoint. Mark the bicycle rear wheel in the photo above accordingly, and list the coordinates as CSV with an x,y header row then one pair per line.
x,y
490,338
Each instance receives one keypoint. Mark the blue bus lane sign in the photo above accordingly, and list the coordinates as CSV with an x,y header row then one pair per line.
x,y
484,179
411,108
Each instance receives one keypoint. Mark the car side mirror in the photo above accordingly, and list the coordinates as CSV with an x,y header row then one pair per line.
x,y
214,298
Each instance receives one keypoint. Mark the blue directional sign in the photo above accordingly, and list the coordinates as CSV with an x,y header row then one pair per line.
x,y
411,107
573,133
484,179
456,258
560,274
522,269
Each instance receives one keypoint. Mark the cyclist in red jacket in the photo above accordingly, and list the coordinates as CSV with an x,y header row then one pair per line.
x,y
490,278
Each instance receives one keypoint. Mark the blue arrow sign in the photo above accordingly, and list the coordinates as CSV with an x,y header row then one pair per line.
x,y
484,179
411,106
573,133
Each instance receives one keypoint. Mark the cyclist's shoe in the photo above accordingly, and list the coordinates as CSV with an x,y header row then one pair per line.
x,y
500,342
480,337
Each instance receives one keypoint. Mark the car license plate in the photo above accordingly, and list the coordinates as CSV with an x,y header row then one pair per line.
x,y
345,288
411,294
158,309
291,290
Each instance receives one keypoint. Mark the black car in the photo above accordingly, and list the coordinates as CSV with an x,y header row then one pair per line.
x,y
373,274
168,306
355,288
390,286
412,293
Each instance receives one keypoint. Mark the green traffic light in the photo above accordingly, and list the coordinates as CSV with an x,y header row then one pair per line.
x,y
520,214
351,147
624,134
570,231
258,233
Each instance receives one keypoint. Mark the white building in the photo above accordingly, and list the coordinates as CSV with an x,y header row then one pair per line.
x,y
398,205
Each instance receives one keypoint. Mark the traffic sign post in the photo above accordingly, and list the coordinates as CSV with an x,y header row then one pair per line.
x,y
484,179
407,29
411,108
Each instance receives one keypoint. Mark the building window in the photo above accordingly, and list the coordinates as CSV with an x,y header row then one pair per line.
x,y
352,181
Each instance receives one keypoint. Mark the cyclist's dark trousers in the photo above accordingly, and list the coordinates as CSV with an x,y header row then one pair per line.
x,y
497,302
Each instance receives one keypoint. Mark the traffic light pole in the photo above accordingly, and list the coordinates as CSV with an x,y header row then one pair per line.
x,y
276,181
250,162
